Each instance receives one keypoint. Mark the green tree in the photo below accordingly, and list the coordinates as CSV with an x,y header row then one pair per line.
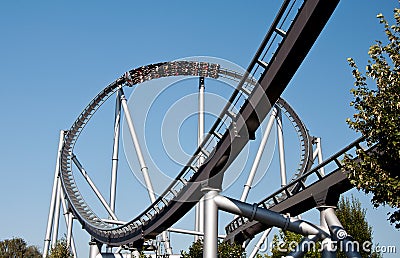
x,y
195,250
18,248
60,250
350,214
378,119
228,250
225,250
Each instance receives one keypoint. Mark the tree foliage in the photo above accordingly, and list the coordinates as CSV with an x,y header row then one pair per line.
x,y
225,250
16,248
350,214
60,250
286,242
378,119
228,250
195,250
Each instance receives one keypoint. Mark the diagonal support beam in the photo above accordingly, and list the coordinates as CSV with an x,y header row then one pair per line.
x,y
93,186
257,159
139,154
268,217
143,166
260,243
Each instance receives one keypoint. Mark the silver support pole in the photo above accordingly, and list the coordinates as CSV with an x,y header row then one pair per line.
x,y
69,228
93,186
66,218
53,196
281,147
268,217
167,244
210,249
257,159
115,222
348,246
94,249
114,167
143,166
320,159
56,215
328,249
260,243
199,219
190,232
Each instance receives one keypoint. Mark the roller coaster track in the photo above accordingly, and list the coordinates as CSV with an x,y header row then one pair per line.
x,y
322,190
254,102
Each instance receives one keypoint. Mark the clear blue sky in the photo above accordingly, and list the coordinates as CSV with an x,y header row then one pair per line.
x,y
55,56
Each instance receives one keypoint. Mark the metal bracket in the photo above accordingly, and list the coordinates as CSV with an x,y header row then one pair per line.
x,y
254,211
287,221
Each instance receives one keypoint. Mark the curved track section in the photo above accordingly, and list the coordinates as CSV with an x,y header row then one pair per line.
x,y
107,232
306,150
132,231
253,104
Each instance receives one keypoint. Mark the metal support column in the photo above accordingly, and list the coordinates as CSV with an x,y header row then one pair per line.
x,y
257,159
210,249
143,166
69,228
66,214
68,222
199,219
53,196
56,221
320,159
94,249
114,167
281,147
327,244
260,243
338,233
